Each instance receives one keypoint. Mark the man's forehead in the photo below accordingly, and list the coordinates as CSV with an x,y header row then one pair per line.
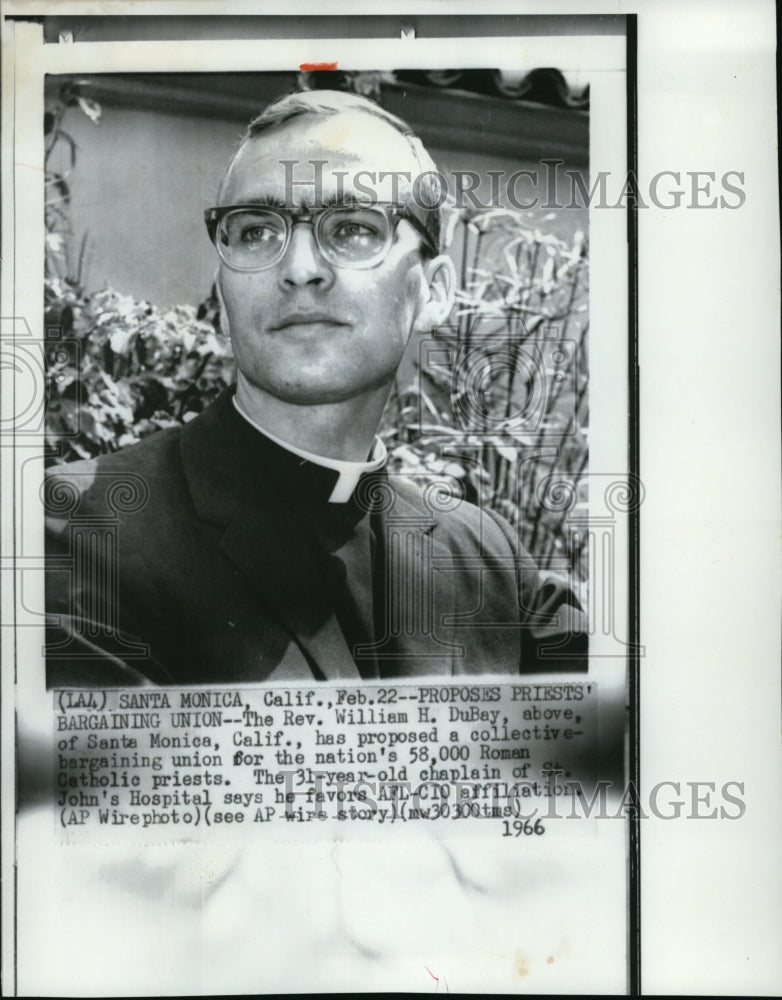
x,y
345,144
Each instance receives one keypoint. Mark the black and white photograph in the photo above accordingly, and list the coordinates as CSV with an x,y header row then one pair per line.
x,y
269,533
324,501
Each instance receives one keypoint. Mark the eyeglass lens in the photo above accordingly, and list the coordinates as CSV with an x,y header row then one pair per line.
x,y
349,237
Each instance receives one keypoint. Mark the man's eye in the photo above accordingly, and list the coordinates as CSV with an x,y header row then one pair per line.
x,y
352,230
258,233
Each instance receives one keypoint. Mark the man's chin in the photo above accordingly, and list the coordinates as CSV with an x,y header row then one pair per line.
x,y
308,393
315,389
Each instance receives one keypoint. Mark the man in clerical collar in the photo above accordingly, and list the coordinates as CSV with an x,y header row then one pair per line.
x,y
264,540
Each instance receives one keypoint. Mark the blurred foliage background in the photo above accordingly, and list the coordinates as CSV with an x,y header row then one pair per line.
x,y
497,403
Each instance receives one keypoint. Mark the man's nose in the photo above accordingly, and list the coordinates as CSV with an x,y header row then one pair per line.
x,y
303,263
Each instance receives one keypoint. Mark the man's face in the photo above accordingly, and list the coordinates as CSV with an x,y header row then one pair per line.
x,y
306,331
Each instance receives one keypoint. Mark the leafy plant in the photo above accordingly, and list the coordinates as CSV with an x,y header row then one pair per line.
x,y
59,161
124,369
118,369
503,411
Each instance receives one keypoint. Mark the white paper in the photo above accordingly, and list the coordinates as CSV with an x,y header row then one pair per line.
x,y
418,912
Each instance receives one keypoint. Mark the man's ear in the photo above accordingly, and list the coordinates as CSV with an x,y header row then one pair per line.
x,y
439,289
225,327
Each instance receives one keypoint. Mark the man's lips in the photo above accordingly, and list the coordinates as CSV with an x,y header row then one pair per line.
x,y
307,319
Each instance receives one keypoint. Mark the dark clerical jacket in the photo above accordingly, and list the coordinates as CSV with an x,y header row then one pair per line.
x,y
211,554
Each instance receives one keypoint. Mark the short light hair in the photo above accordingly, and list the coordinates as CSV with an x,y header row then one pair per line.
x,y
323,103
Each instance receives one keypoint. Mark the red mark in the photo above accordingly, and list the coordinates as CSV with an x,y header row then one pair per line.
x,y
437,980
316,67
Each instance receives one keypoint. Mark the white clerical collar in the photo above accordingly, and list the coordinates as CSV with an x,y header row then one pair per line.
x,y
349,473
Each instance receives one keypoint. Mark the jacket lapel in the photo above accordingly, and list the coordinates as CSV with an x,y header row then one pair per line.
x,y
416,642
230,487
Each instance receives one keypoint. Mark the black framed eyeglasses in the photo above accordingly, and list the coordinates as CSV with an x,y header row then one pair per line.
x,y
254,237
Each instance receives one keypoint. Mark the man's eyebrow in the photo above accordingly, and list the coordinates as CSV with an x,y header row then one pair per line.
x,y
269,200
348,199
